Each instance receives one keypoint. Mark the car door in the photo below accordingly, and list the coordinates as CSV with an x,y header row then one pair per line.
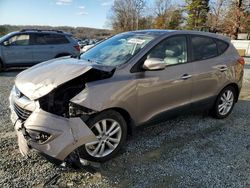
x,y
18,50
163,90
208,70
43,47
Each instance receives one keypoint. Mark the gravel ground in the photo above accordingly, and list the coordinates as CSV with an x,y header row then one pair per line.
x,y
193,150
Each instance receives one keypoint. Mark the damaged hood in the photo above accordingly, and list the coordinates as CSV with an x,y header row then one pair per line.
x,y
41,79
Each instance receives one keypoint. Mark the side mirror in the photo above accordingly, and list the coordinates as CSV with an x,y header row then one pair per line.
x,y
6,43
154,64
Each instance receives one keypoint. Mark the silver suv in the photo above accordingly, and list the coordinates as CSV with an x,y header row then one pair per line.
x,y
135,78
30,46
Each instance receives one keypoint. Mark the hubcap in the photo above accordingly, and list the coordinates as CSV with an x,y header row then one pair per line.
x,y
108,133
226,102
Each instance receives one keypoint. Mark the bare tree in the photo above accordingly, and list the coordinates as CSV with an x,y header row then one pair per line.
x,y
217,14
139,5
238,6
126,14
167,15
161,7
237,16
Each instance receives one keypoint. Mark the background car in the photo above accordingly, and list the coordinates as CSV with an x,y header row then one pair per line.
x,y
30,46
92,44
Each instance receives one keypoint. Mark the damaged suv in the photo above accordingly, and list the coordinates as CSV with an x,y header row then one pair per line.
x,y
89,105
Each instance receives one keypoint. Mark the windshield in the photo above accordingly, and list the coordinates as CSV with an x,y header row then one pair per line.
x,y
118,49
3,38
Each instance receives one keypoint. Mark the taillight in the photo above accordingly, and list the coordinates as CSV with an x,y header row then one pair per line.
x,y
77,48
241,61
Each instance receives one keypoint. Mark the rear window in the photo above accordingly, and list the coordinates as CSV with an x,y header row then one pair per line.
x,y
43,39
222,46
203,48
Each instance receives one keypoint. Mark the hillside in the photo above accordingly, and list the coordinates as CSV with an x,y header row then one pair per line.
x,y
79,32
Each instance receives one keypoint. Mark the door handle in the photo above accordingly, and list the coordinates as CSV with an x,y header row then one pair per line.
x,y
222,68
186,76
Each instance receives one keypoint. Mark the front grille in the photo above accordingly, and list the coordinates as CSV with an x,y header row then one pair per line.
x,y
21,113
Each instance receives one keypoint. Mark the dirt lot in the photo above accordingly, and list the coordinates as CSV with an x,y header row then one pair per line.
x,y
193,150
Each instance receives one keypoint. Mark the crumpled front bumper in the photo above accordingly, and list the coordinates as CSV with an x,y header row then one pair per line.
x,y
65,134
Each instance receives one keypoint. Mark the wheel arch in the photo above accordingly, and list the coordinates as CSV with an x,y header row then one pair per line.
x,y
2,66
237,89
62,54
124,113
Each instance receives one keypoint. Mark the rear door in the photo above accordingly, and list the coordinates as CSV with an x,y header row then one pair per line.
x,y
209,69
163,90
43,48
60,44
19,50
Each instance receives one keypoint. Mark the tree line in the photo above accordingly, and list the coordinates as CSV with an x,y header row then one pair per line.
x,y
78,32
221,16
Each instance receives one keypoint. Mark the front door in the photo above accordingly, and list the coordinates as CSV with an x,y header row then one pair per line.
x,y
163,90
18,50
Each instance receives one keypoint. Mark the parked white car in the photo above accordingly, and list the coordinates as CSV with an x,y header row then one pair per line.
x,y
87,47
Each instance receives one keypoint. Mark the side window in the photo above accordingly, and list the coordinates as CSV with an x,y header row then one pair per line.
x,y
172,50
203,48
39,39
19,40
222,46
56,39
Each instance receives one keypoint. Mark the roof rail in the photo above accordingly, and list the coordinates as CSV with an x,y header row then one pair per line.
x,y
41,30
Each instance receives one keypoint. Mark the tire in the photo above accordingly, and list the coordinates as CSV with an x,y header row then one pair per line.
x,y
62,55
1,66
224,103
108,144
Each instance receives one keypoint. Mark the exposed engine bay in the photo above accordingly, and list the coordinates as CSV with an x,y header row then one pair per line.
x,y
58,100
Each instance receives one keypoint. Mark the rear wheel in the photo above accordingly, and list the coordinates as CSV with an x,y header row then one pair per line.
x,y
224,103
111,130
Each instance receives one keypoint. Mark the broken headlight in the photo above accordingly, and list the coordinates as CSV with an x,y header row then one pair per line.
x,y
39,137
76,110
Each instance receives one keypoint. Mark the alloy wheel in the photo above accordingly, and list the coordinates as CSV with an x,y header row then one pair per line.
x,y
108,133
226,102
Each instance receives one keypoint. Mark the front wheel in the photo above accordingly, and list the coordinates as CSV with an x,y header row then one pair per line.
x,y
224,103
110,129
1,66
